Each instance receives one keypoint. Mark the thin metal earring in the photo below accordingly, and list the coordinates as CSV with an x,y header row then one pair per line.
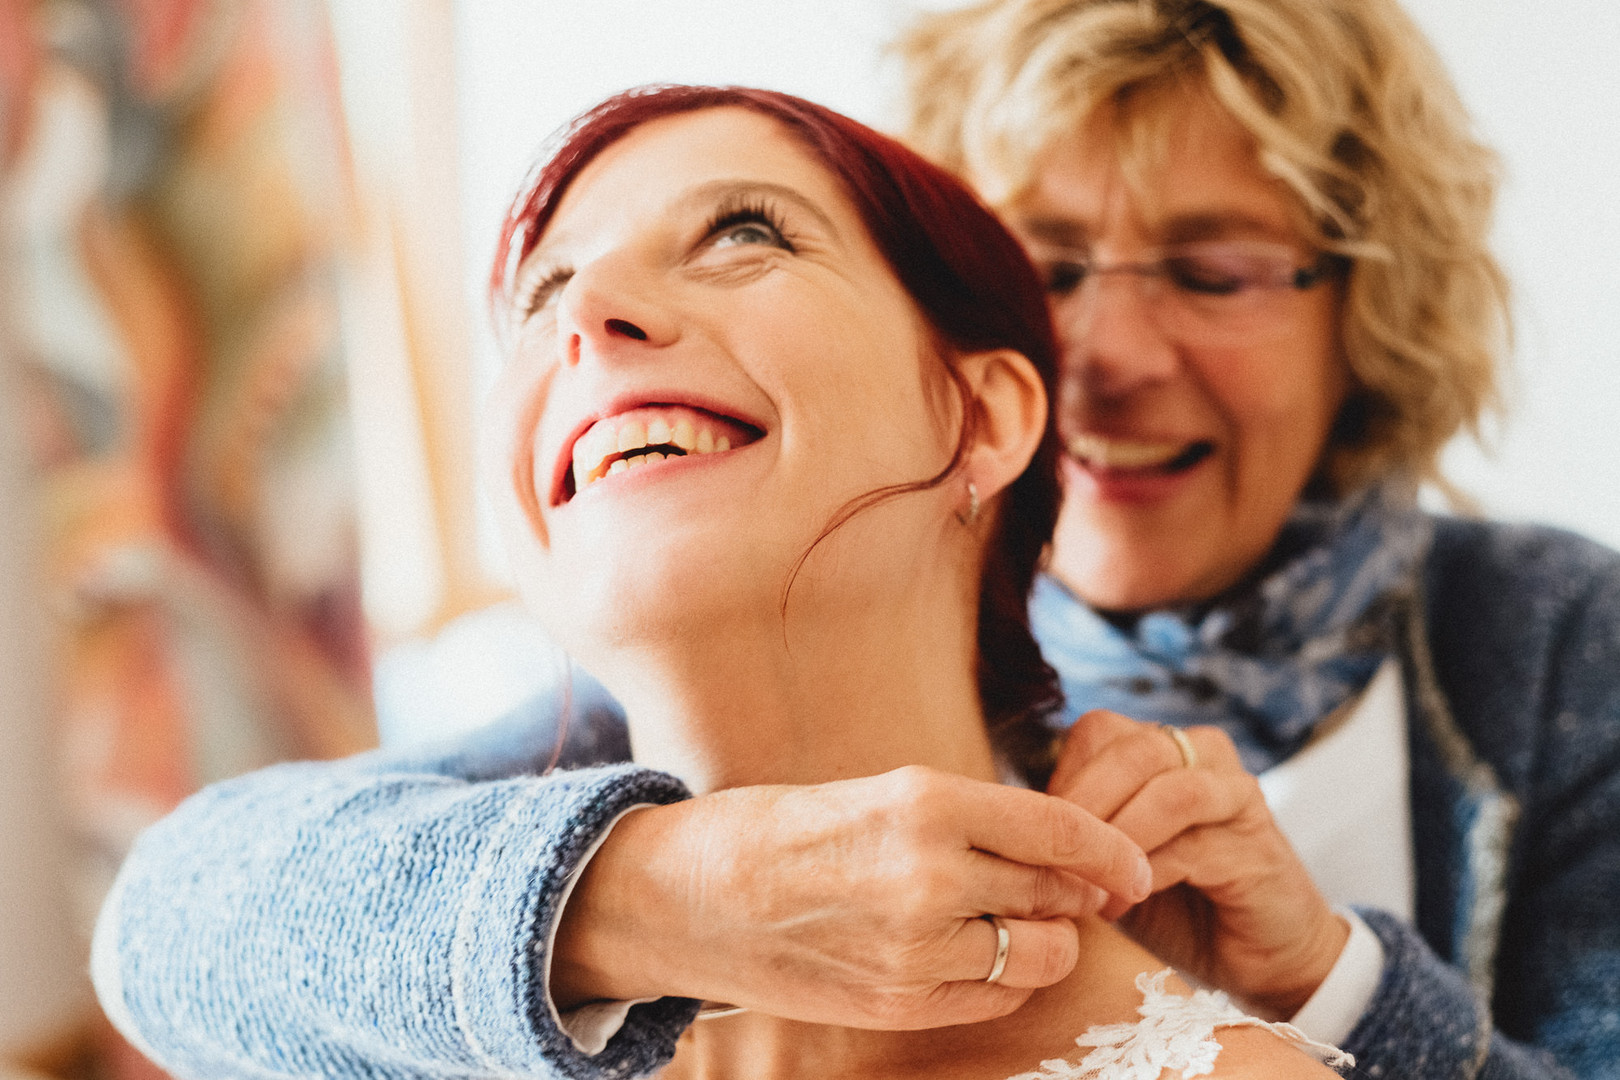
x,y
972,514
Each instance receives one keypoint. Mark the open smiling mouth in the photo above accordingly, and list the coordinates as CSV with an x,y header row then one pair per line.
x,y
1127,455
649,435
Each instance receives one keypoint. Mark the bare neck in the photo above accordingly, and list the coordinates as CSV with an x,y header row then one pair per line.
x,y
808,699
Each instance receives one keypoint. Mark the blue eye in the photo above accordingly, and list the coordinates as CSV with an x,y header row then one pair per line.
x,y
749,233
748,223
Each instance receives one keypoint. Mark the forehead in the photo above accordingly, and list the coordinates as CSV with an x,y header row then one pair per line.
x,y
1176,164
659,162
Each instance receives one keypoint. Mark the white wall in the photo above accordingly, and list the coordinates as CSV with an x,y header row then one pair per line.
x,y
1544,86
1541,78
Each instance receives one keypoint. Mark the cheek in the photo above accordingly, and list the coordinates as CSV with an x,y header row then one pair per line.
x,y
509,455
1281,405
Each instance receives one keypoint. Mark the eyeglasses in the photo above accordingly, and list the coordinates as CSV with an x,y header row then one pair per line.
x,y
1213,291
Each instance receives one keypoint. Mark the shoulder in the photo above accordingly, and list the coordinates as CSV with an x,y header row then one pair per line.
x,y
1512,562
1522,586
1524,630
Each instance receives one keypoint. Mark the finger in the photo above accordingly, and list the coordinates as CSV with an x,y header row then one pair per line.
x,y
1228,866
949,1004
1136,755
1039,952
1216,750
1037,829
1087,736
1001,887
1119,769
1176,801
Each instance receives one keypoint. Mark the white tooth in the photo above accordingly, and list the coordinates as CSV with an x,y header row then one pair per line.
x,y
582,476
589,451
654,456
705,441
683,435
618,466
722,444
632,436
604,440
657,432
1119,453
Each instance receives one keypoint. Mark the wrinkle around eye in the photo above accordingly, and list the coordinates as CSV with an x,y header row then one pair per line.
x,y
737,265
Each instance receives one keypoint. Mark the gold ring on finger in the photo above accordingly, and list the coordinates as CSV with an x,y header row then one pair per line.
x,y
1189,753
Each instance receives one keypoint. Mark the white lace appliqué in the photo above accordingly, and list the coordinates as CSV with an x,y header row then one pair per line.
x,y
1175,1032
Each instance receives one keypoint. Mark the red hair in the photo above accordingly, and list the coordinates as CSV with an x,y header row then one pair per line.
x,y
967,275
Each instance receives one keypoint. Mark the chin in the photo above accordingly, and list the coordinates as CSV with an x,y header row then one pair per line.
x,y
1128,572
1125,591
630,593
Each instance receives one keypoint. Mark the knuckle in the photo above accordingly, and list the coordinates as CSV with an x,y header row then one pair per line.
x,y
1144,754
1066,830
1091,721
1045,891
1180,801
915,787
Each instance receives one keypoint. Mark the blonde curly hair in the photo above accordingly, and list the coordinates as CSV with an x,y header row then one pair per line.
x,y
1348,105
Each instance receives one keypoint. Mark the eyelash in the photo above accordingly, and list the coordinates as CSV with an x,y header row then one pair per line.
x,y
729,215
746,210
536,294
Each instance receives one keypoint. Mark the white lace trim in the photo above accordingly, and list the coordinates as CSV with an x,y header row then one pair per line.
x,y
1175,1032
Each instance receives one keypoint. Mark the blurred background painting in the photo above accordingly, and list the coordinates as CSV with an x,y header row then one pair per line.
x,y
183,581
241,252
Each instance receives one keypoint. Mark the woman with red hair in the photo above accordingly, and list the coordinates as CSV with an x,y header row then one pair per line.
x,y
772,457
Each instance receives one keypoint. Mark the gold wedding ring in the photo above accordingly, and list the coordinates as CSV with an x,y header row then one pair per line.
x,y
1003,944
1189,754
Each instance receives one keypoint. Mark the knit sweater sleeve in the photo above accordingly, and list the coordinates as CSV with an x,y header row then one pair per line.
x,y
1426,1021
1526,630
383,916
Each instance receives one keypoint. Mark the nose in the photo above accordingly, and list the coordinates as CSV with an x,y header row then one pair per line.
x,y
612,311
1111,339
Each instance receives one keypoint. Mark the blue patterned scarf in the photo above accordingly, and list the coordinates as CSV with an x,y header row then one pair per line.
x,y
1269,661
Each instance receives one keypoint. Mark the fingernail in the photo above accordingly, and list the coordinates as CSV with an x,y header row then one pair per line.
x,y
1143,883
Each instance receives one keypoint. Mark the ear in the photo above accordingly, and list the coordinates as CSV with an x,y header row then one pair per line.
x,y
1012,409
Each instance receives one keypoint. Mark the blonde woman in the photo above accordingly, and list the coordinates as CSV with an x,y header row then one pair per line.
x,y
1431,703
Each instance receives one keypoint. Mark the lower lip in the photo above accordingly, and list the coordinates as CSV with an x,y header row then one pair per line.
x,y
1129,486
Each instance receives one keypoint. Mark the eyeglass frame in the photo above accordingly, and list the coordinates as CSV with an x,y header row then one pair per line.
x,y
1325,266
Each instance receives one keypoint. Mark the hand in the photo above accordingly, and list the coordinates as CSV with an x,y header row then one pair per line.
x,y
853,903
1232,904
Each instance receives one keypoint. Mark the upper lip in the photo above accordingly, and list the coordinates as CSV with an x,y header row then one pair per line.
x,y
561,479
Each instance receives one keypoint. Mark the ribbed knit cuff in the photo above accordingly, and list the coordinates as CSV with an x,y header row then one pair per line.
x,y
500,997
1425,1019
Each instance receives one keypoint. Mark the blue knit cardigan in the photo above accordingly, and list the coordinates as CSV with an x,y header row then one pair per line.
x,y
386,916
